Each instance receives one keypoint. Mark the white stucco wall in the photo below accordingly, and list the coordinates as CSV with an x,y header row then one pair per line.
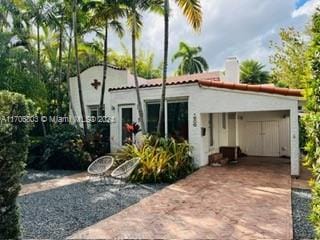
x,y
91,96
212,100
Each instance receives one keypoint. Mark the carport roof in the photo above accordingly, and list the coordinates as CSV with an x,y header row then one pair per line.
x,y
252,88
216,83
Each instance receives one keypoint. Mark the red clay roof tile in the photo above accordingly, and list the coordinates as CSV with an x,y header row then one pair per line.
x,y
253,88
213,80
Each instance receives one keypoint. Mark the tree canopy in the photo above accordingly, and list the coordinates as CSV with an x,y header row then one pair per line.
x,y
290,65
191,60
253,72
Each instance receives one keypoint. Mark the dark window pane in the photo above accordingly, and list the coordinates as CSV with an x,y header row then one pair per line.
x,y
178,120
126,118
152,118
94,113
211,128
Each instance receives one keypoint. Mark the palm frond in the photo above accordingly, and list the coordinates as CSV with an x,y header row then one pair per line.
x,y
192,11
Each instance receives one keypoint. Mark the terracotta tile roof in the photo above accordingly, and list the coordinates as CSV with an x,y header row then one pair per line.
x,y
252,88
214,81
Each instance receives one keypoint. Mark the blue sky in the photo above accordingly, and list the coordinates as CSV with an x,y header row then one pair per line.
x,y
230,28
300,3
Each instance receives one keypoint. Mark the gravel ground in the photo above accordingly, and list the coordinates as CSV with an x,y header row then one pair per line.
x,y
33,176
58,213
302,228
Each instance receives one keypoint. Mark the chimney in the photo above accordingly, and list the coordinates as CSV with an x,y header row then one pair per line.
x,y
232,70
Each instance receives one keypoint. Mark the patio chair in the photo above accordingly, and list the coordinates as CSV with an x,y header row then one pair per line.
x,y
123,172
100,167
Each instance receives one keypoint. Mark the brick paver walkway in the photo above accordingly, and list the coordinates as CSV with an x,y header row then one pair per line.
x,y
250,200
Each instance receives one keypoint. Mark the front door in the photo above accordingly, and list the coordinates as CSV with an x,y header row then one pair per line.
x,y
126,116
262,138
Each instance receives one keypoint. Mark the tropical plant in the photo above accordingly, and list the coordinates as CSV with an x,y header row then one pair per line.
x,y
162,160
253,72
192,11
40,13
64,148
290,65
13,153
145,63
191,61
18,71
106,14
312,121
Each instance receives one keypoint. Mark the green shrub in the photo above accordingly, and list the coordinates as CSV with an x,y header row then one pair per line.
x,y
312,122
64,148
13,154
98,141
162,160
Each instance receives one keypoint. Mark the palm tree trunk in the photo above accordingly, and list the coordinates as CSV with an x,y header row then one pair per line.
x,y
74,113
105,67
134,68
38,73
38,50
60,64
83,113
165,65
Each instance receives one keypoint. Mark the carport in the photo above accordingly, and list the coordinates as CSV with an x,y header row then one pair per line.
x,y
262,122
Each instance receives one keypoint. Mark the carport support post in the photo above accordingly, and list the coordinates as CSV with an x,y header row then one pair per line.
x,y
295,148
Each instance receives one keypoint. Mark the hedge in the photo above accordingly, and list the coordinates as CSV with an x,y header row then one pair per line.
x,y
13,153
312,122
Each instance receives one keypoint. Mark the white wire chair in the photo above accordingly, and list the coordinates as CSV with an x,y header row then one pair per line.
x,y
122,174
124,171
100,167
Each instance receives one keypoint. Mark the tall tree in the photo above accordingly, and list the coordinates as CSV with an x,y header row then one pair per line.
x,y
192,11
253,72
106,13
40,13
75,36
191,61
134,20
312,121
290,67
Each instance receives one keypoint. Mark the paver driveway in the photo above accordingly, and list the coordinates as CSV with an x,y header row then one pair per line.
x,y
250,200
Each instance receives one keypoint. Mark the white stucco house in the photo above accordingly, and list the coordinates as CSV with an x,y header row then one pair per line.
x,y
210,110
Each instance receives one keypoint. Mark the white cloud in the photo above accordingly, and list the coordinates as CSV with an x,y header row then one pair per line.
x,y
307,9
230,28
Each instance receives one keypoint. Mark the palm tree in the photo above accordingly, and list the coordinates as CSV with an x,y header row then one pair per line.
x,y
191,62
40,12
106,13
252,72
192,11
134,20
75,34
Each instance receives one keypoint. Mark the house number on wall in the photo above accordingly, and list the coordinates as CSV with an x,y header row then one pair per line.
x,y
194,120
